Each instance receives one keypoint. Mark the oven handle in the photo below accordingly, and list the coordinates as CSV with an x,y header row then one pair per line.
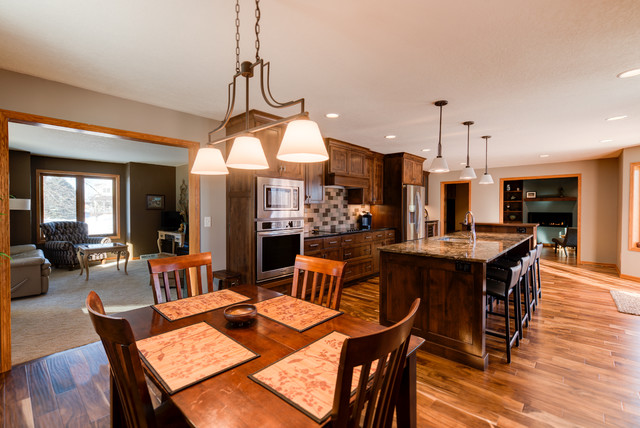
x,y
280,232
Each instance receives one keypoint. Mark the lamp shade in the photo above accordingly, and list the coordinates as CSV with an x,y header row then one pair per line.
x,y
486,179
439,165
247,153
302,142
467,174
19,204
209,161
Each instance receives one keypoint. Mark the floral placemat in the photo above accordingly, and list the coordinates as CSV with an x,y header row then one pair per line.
x,y
188,355
298,314
306,379
189,306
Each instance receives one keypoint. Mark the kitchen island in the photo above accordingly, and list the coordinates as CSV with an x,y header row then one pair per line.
x,y
448,274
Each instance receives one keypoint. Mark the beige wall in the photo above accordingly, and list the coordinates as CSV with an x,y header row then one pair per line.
x,y
599,201
628,261
43,97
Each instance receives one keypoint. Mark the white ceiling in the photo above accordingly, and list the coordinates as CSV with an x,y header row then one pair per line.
x,y
65,143
537,75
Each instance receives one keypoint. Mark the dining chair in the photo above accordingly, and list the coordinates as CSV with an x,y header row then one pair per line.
x,y
191,263
374,400
130,399
320,282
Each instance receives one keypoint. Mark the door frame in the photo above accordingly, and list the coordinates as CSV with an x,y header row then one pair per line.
x,y
543,177
443,187
7,116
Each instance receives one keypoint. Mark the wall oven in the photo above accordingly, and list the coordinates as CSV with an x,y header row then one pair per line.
x,y
279,198
277,244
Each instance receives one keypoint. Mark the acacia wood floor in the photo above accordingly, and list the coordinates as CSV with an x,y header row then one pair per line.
x,y
579,365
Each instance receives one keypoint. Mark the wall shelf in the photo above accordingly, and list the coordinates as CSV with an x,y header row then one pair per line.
x,y
552,198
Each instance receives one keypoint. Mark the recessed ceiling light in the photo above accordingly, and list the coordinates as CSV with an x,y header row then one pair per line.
x,y
332,115
629,73
606,141
426,150
544,156
617,117
389,137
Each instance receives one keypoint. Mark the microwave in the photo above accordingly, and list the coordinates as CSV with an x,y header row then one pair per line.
x,y
279,198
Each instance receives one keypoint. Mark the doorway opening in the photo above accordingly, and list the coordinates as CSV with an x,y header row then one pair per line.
x,y
456,201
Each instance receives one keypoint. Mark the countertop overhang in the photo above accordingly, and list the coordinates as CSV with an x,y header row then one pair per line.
x,y
457,246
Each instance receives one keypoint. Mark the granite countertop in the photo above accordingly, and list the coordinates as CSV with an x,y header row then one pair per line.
x,y
457,246
326,233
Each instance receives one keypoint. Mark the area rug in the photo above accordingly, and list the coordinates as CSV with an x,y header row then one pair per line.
x,y
626,302
58,320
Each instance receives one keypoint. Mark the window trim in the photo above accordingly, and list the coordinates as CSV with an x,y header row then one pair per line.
x,y
40,173
634,207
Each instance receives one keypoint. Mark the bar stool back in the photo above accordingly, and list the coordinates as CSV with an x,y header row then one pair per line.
x,y
501,290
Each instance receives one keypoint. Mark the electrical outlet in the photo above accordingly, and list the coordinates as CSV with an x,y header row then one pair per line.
x,y
207,222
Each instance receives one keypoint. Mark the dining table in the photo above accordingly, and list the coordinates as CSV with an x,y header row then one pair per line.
x,y
232,398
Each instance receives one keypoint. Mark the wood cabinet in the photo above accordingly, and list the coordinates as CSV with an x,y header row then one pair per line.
x,y
377,179
347,164
314,183
512,201
412,169
360,250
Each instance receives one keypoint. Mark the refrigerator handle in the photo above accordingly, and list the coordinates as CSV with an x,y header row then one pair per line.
x,y
420,214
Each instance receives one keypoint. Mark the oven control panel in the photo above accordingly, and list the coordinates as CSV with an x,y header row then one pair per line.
x,y
279,225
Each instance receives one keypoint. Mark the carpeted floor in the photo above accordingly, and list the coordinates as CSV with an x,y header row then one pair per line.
x,y
56,321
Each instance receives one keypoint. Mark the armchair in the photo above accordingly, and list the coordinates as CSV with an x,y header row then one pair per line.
x,y
570,240
62,239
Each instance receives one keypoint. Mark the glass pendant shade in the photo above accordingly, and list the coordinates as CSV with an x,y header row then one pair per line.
x,y
439,165
468,174
209,161
486,179
302,142
247,153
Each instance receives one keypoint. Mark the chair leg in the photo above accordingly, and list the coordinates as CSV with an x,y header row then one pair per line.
x,y
507,329
518,312
539,279
526,314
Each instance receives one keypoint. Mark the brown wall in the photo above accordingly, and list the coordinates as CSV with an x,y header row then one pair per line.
x,y
143,180
20,187
75,165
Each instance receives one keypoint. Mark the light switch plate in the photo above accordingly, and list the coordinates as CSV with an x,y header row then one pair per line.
x,y
207,222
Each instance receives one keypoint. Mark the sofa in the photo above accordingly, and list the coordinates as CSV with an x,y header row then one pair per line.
x,y
29,271
62,239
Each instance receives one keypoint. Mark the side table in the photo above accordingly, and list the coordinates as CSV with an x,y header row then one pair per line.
x,y
83,251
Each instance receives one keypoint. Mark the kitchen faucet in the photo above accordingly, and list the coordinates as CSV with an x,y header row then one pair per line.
x,y
470,226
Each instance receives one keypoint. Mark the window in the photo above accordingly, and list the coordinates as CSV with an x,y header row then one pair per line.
x,y
71,196
634,207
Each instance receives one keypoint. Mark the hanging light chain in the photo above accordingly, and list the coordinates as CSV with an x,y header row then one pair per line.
x,y
237,36
257,30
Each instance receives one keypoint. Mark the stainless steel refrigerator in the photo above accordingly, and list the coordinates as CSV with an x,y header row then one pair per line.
x,y
413,217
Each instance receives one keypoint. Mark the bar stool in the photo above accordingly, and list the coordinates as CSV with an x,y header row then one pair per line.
x,y
533,293
497,270
537,272
501,290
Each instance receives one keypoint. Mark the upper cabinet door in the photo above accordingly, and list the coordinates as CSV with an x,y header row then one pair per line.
x,y
356,164
314,183
338,160
377,180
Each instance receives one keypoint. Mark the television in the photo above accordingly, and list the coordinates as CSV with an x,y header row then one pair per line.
x,y
170,221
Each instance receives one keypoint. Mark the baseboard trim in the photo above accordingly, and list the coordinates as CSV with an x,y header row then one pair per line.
x,y
613,265
629,277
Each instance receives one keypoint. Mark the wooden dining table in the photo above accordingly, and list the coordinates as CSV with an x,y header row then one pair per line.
x,y
231,398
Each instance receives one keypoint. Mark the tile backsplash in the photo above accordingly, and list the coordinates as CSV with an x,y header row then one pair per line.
x,y
334,211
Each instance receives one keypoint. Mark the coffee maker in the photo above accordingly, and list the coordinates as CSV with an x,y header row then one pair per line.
x,y
365,221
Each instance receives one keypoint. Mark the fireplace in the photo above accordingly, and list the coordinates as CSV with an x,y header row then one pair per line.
x,y
551,219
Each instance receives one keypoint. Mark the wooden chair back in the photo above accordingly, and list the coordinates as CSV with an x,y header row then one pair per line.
x,y
130,399
191,263
318,280
374,401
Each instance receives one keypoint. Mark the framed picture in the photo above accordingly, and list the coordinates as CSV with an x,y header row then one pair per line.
x,y
531,195
155,202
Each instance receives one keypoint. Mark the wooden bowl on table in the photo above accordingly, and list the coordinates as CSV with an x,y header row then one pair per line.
x,y
240,314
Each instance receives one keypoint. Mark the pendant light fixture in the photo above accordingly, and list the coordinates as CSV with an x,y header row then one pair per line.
x,y
468,173
439,164
302,141
486,177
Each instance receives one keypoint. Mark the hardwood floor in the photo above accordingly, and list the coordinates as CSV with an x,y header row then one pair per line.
x,y
578,365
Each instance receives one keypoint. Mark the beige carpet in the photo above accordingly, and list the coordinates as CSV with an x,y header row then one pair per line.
x,y
53,322
626,302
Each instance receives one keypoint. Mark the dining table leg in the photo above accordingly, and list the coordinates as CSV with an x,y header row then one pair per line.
x,y
406,406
